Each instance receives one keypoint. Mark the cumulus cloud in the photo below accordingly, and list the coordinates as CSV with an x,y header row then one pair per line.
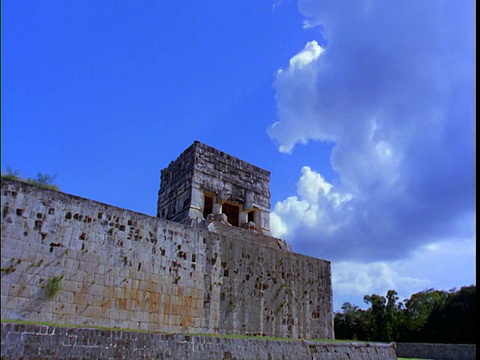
x,y
393,90
297,98
318,205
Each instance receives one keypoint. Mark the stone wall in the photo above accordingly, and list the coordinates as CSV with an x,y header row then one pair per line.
x,y
437,351
175,193
119,268
218,170
44,342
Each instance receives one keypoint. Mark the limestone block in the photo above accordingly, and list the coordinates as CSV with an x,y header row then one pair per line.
x,y
248,202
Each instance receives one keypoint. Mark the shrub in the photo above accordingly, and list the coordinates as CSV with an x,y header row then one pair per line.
x,y
53,286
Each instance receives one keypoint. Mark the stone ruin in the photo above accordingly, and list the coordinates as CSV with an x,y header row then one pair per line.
x,y
204,181
207,263
204,185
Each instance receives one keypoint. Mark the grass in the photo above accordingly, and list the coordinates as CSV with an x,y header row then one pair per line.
x,y
73,326
43,180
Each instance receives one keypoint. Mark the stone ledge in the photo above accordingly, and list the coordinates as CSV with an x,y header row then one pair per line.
x,y
56,342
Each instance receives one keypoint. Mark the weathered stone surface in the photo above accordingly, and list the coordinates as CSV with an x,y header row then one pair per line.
x,y
437,351
44,342
202,171
119,268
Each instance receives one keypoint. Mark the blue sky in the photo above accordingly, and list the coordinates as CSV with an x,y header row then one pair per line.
x,y
362,111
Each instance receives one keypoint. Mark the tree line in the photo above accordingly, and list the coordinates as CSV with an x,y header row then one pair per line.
x,y
430,316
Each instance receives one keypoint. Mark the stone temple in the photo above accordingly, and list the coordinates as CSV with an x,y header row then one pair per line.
x,y
207,263
204,181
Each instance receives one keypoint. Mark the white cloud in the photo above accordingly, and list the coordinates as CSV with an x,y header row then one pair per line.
x,y
393,91
309,54
398,111
297,85
351,278
318,205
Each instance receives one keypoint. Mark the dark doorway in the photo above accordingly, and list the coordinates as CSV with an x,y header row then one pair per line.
x,y
208,206
232,212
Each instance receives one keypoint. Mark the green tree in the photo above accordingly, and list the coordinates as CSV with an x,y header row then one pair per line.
x,y
453,320
384,316
417,312
392,316
351,323
430,316
376,316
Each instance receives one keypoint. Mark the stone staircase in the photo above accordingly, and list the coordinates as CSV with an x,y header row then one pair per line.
x,y
222,228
